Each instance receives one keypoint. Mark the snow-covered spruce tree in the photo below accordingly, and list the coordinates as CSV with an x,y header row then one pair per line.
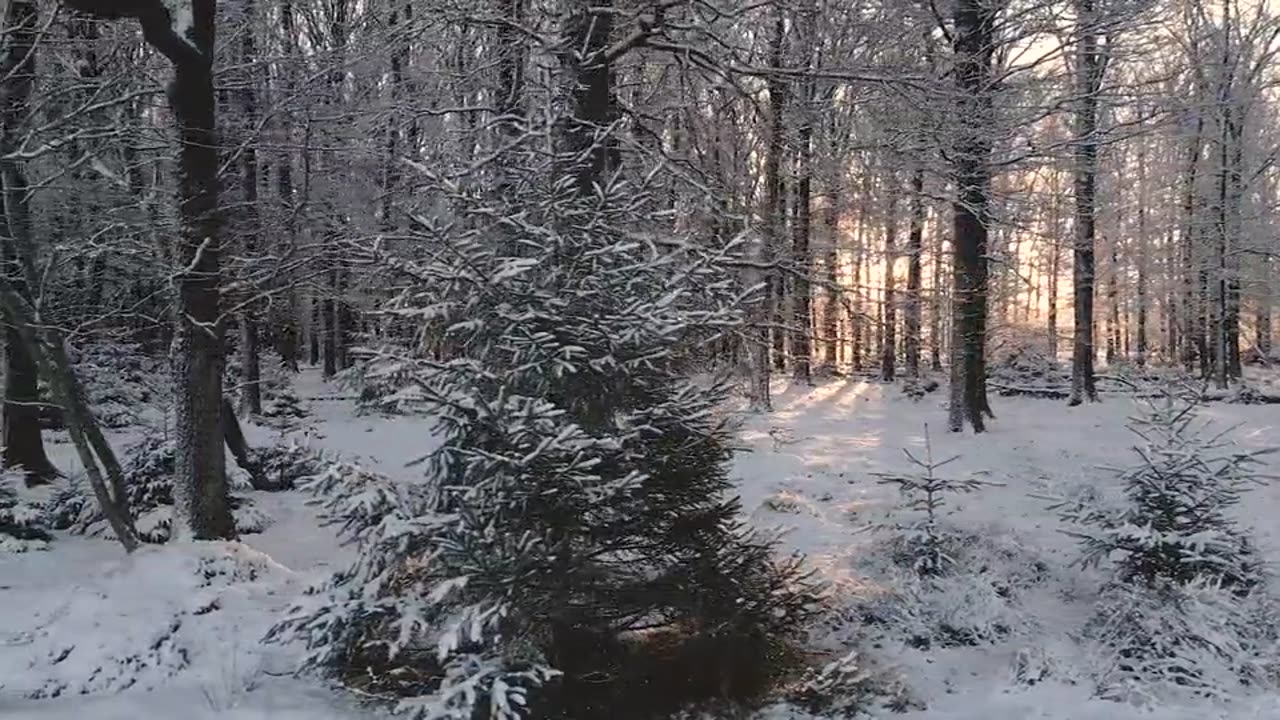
x,y
1175,526
1184,610
21,524
576,522
923,541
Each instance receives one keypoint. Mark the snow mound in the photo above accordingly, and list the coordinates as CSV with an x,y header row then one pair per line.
x,y
164,611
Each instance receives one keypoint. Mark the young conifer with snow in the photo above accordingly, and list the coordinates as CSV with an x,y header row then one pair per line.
x,y
576,523
1175,526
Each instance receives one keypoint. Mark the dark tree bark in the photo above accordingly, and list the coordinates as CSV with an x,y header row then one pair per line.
x,y
21,437
801,309
1141,256
776,189
587,66
831,302
936,319
889,307
973,40
915,249
1192,275
1113,304
200,484
316,328
1088,70
1055,270
250,361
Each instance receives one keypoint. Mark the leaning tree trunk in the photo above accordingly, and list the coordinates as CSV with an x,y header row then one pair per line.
x,y
973,41
1088,82
23,444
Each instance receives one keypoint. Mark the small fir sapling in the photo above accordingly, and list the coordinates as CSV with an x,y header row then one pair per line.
x,y
22,525
926,495
1175,525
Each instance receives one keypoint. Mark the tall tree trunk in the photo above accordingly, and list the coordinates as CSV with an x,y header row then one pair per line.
x,y
250,366
1055,268
1113,304
831,304
20,434
1262,317
937,305
776,189
973,40
200,484
1142,253
801,309
1088,82
1192,269
915,248
889,311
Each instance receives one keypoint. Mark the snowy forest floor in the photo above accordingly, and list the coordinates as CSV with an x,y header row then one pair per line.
x,y
185,624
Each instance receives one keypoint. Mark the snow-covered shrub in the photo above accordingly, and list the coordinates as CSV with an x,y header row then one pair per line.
x,y
1028,369
284,465
574,545
849,687
122,381
148,466
1246,394
1175,526
916,389
22,524
281,406
975,600
1189,639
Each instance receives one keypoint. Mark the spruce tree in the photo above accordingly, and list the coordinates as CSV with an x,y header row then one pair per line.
x,y
1175,526
576,523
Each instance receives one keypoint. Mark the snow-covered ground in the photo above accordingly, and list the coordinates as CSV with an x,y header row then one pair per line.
x,y
174,631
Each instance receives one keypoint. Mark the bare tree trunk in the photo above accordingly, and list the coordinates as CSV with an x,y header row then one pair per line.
x,y
775,188
1088,82
936,305
200,484
250,365
973,40
1143,251
1193,335
20,435
801,309
915,248
1055,270
831,305
888,307
1262,318
1113,303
